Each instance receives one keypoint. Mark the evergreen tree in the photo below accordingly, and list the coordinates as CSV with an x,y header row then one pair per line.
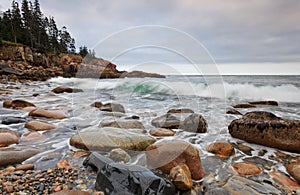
x,y
16,22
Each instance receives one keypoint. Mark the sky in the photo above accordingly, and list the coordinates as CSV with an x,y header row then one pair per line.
x,y
241,34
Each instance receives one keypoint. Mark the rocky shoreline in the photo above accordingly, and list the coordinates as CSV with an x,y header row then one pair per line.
x,y
168,166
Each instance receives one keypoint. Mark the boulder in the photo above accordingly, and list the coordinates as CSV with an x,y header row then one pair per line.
x,y
97,104
16,155
181,177
55,114
244,106
17,104
119,155
107,138
168,121
8,137
267,129
221,148
71,192
61,89
162,132
113,107
12,120
180,110
168,154
288,184
195,123
36,125
124,124
267,102
294,170
247,168
117,178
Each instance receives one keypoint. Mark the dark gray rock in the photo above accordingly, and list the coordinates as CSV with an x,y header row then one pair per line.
x,y
116,178
195,123
12,120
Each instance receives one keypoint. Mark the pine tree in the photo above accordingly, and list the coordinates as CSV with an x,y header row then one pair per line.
x,y
16,22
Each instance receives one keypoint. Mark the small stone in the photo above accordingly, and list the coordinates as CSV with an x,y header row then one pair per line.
x,y
119,155
181,177
221,148
17,104
63,164
244,106
113,107
8,137
37,125
234,112
97,104
246,149
10,168
267,102
25,167
180,110
160,132
247,168
55,114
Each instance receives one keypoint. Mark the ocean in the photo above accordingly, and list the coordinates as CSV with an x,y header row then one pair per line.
x,y
148,98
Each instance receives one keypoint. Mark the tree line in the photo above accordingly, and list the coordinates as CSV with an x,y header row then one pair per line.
x,y
26,24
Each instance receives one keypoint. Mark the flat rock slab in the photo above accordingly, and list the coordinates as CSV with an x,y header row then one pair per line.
x,y
107,138
267,129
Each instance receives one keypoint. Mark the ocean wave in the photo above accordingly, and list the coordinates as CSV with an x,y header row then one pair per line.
x,y
248,91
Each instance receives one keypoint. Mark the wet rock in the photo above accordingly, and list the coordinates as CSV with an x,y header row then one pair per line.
x,y
245,149
161,132
71,192
181,177
124,124
195,123
234,112
55,114
63,164
61,89
244,106
8,137
267,129
168,154
168,121
247,168
116,178
221,148
267,102
294,170
285,181
17,104
25,167
113,107
108,138
180,110
36,125
240,185
29,136
12,120
97,104
140,74
16,155
119,155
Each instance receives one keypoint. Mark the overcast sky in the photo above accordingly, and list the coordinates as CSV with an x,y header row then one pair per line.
x,y
232,31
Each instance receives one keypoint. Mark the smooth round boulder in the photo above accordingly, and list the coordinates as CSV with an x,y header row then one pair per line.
x,y
25,167
55,114
247,168
36,125
168,154
119,155
221,148
61,89
168,121
195,123
10,156
8,137
267,129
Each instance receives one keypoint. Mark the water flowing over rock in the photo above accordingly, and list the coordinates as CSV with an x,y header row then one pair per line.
x,y
16,155
168,121
12,120
168,154
107,138
124,124
195,123
36,125
267,129
161,132
113,107
266,102
17,104
61,89
55,114
116,178
119,155
180,110
294,170
221,148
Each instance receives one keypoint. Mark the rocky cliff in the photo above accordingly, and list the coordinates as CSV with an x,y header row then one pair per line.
x,y
19,62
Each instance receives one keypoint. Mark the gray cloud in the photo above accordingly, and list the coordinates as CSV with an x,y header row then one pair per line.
x,y
233,30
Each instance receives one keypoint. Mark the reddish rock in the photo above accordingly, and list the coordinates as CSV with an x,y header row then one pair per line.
x,y
247,168
294,170
8,137
244,106
25,167
31,136
55,114
221,148
168,154
181,177
162,132
63,164
36,125
17,104
71,192
284,180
